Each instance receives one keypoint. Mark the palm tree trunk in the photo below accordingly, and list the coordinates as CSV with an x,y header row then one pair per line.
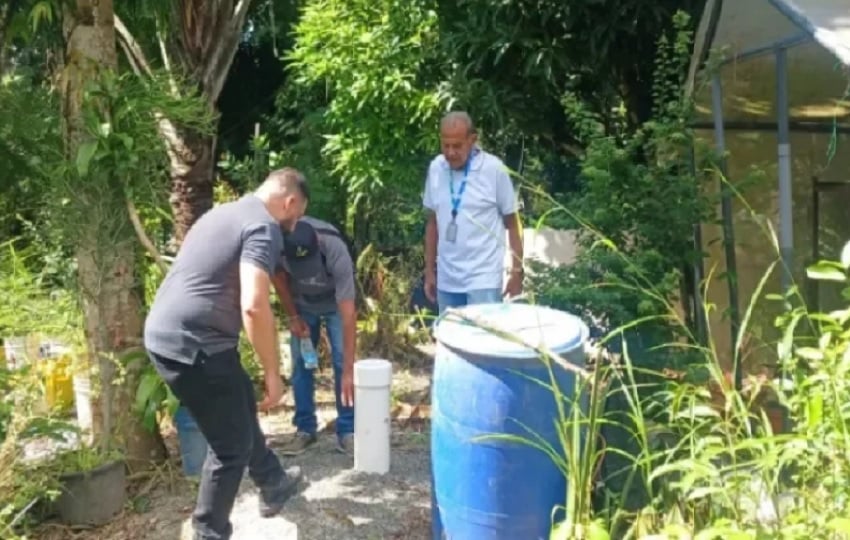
x,y
202,45
192,157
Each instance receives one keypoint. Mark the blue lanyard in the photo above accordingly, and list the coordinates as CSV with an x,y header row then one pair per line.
x,y
456,200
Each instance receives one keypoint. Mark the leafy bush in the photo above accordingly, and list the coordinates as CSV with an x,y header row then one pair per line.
x,y
638,205
24,484
375,63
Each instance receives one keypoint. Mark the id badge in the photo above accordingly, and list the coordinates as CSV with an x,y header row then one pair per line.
x,y
451,232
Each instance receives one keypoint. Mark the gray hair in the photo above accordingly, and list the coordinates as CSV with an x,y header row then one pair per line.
x,y
285,181
458,117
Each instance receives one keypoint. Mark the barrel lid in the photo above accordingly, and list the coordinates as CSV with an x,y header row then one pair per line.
x,y
558,331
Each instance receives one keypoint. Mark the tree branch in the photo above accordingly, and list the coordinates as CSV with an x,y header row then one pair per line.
x,y
241,11
131,47
143,236
166,60
217,64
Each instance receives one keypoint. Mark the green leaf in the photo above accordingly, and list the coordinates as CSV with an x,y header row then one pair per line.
x,y
149,416
149,384
810,353
597,531
561,531
41,12
826,271
814,410
841,525
566,530
85,153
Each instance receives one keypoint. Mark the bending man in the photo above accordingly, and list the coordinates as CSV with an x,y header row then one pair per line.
x,y
317,287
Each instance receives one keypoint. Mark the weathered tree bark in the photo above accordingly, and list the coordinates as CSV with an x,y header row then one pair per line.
x,y
105,248
203,48
192,167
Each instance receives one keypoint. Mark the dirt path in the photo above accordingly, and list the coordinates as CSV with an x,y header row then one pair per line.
x,y
335,501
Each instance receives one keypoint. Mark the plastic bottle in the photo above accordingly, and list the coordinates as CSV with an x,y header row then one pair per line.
x,y
308,353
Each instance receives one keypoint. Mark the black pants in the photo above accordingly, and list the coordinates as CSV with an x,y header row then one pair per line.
x,y
220,396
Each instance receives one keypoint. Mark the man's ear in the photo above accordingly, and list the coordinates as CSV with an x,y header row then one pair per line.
x,y
473,138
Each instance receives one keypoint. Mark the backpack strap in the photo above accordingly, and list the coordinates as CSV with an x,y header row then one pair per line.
x,y
328,232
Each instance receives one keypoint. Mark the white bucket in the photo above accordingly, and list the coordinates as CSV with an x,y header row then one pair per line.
x,y
82,401
15,351
372,382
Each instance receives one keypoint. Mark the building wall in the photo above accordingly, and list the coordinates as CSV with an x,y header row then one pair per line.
x,y
550,246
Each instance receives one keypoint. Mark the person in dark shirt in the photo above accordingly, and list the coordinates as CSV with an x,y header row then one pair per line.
x,y
218,284
316,286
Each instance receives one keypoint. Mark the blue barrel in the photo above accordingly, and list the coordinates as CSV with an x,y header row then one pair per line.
x,y
492,489
193,444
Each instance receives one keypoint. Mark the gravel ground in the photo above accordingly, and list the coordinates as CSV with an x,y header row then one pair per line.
x,y
334,502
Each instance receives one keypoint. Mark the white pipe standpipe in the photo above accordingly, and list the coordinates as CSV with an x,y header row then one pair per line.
x,y
372,382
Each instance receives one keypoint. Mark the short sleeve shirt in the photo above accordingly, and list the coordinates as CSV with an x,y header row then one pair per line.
x,y
475,260
197,307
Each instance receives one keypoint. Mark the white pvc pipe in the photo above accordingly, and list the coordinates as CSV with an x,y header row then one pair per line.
x,y
372,382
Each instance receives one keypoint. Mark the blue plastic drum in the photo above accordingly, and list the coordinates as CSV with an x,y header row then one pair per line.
x,y
493,489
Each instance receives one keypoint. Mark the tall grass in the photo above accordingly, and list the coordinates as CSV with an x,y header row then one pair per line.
x,y
702,459
31,306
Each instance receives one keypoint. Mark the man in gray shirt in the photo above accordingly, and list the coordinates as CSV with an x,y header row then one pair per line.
x,y
316,286
218,284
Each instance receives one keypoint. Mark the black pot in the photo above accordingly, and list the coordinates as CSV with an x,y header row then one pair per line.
x,y
94,497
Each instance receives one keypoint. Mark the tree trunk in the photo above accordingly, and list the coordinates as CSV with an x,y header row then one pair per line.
x,y
203,46
105,249
192,159
113,326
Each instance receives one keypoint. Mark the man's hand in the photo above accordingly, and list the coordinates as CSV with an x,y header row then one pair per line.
x,y
431,286
274,393
514,286
298,328
347,390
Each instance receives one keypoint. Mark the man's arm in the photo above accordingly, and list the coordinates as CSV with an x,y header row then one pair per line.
x,y
281,287
341,268
514,242
431,236
348,314
257,316
506,198
261,246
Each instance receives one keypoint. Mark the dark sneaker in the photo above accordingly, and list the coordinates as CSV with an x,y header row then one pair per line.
x,y
272,501
345,444
298,444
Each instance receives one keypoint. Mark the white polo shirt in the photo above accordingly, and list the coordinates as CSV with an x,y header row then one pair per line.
x,y
475,260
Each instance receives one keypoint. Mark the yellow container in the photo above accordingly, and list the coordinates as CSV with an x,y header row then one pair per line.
x,y
58,385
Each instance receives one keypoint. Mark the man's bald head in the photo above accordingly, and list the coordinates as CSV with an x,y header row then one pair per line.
x,y
285,195
284,182
457,138
458,119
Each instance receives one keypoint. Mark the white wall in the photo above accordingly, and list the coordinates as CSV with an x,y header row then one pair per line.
x,y
550,246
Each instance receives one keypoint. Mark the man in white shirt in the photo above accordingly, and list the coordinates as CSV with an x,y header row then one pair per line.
x,y
470,201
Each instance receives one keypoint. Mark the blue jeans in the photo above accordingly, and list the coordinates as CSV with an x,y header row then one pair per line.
x,y
480,296
303,382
